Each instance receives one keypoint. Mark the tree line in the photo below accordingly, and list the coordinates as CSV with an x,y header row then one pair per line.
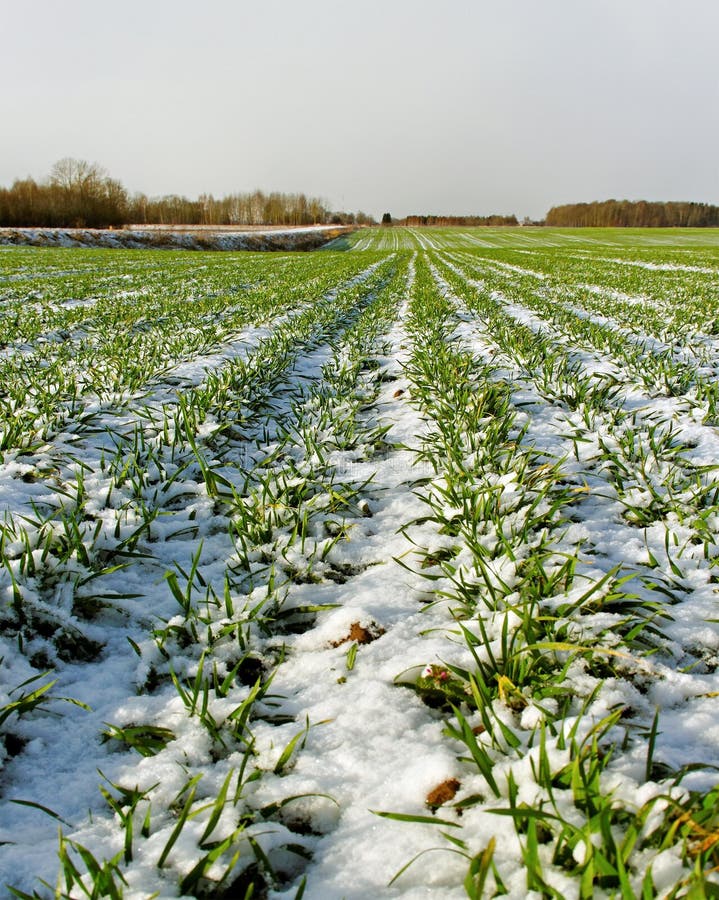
x,y
634,214
462,221
83,195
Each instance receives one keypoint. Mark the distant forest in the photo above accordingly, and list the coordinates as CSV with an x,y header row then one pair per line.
x,y
83,195
464,221
634,214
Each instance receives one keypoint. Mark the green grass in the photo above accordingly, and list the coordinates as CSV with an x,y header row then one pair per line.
x,y
664,240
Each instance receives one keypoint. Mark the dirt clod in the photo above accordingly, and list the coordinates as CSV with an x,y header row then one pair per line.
x,y
443,793
361,634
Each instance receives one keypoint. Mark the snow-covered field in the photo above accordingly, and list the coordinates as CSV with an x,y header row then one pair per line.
x,y
387,573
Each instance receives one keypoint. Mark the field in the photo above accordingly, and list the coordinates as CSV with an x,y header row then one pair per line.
x,y
388,570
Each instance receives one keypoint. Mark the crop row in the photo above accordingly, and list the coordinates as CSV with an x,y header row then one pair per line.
x,y
550,618
125,343
208,669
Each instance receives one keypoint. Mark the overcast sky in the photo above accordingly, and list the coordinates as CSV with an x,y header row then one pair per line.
x,y
407,106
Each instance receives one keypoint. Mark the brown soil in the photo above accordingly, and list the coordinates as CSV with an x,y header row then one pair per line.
x,y
443,793
361,634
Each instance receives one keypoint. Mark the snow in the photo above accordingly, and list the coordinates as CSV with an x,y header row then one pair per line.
x,y
364,741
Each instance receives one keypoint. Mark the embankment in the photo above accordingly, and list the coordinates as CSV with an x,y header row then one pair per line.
x,y
162,238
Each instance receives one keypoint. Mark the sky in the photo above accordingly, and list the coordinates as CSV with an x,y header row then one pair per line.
x,y
406,106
